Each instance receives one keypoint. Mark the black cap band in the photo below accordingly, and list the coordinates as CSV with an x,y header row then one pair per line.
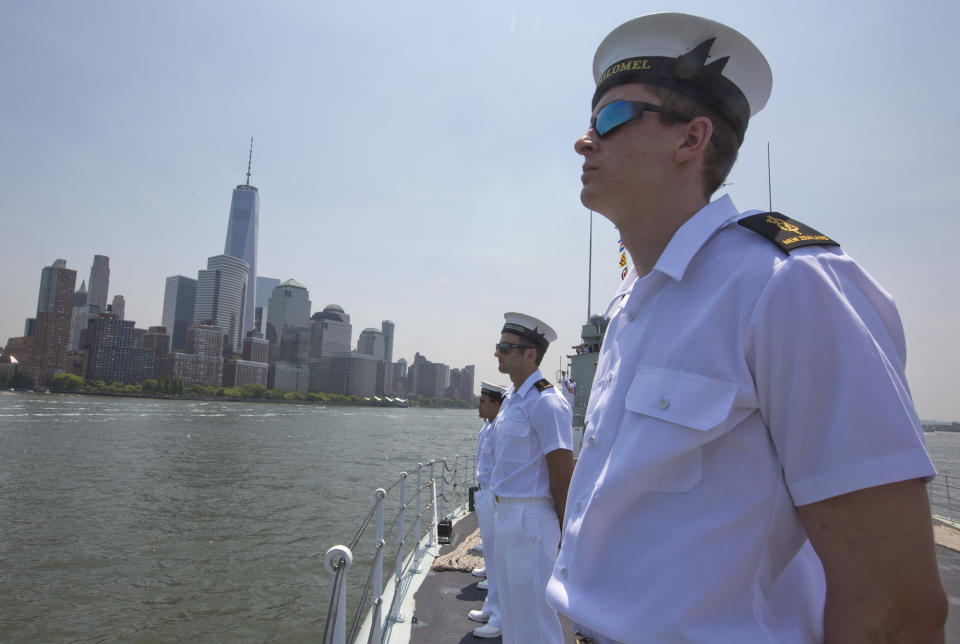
x,y
703,83
495,395
525,333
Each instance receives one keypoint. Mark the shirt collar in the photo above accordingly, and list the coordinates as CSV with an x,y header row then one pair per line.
x,y
528,383
692,235
684,244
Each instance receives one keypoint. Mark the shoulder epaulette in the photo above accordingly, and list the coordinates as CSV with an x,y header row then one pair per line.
x,y
542,384
784,232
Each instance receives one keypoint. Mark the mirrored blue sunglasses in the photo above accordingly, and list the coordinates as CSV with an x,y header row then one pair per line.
x,y
615,114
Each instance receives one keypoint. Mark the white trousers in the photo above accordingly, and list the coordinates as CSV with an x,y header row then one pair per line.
x,y
483,504
528,536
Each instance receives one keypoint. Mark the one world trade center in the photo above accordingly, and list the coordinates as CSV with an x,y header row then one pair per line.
x,y
242,240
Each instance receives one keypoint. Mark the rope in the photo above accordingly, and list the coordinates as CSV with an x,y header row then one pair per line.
x,y
415,494
395,483
363,526
413,526
396,520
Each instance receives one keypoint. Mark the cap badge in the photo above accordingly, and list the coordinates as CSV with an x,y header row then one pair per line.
x,y
690,64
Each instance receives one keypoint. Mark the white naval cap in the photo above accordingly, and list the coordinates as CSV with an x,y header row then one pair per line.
x,y
530,328
496,391
706,60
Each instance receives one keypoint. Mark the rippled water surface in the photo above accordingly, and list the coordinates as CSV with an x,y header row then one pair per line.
x,y
141,520
157,521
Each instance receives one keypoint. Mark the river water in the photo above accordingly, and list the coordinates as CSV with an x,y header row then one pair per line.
x,y
138,520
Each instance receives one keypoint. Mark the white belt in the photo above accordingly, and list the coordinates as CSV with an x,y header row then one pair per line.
x,y
524,499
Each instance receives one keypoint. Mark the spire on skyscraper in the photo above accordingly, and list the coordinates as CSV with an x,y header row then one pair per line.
x,y
242,241
250,161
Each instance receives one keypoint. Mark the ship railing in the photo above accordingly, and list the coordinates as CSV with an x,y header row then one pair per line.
x,y
446,485
944,493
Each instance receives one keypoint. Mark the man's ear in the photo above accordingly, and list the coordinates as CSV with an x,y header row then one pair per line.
x,y
696,139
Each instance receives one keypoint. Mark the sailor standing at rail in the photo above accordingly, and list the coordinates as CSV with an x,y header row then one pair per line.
x,y
532,464
750,399
489,406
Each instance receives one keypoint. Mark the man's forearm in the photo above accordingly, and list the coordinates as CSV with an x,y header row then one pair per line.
x,y
560,469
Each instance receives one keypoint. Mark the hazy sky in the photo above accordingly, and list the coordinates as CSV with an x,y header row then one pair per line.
x,y
415,160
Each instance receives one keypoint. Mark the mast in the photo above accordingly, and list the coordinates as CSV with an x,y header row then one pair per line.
x,y
769,182
590,266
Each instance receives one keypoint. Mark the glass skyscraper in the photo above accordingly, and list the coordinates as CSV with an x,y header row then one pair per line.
x,y
99,282
242,241
178,300
289,306
221,298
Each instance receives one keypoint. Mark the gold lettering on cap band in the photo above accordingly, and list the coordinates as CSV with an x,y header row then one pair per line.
x,y
631,65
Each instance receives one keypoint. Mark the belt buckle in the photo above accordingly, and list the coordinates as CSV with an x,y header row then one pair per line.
x,y
582,639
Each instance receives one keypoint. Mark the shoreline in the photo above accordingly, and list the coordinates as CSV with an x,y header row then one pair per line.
x,y
194,398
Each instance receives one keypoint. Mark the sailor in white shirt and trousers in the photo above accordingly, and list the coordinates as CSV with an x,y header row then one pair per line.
x,y
491,396
532,464
753,469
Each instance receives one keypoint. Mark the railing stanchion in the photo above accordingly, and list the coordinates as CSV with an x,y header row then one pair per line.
x,y
433,523
338,594
378,563
433,505
443,488
376,634
403,525
419,531
397,615
946,481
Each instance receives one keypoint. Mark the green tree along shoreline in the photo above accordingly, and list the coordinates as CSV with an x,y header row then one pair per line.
x,y
175,389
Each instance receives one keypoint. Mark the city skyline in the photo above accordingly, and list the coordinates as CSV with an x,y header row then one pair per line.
x,y
415,162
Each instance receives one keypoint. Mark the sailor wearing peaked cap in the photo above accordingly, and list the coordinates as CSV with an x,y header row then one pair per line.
x,y
532,443
493,390
750,411
491,396
529,328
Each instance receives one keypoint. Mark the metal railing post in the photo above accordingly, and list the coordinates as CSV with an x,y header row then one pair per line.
x,y
433,526
456,487
380,495
418,532
946,480
345,558
402,530
443,487
397,615
376,633
433,505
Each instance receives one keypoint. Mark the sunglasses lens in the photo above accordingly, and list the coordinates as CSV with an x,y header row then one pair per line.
x,y
613,115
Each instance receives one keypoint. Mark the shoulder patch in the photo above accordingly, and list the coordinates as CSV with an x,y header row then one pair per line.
x,y
785,232
542,384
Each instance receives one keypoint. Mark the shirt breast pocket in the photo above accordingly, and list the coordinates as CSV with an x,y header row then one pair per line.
x,y
670,416
516,441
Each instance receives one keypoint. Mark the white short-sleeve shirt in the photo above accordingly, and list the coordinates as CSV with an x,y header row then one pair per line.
x,y
734,383
531,424
484,456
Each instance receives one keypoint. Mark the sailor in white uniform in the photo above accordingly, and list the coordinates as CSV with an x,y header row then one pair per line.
x,y
489,406
750,399
532,463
